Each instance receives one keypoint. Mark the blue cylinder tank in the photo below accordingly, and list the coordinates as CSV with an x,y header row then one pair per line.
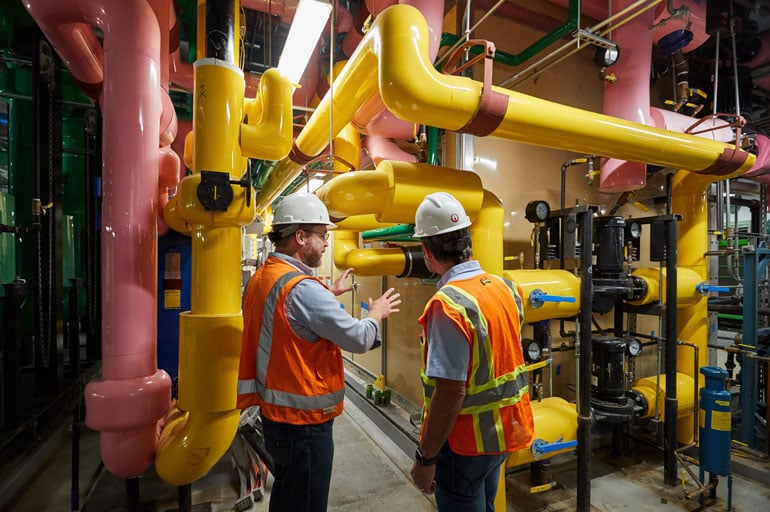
x,y
714,422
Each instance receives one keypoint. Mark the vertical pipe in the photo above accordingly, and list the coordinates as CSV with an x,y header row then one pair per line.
x,y
75,468
220,30
93,215
584,366
671,405
72,330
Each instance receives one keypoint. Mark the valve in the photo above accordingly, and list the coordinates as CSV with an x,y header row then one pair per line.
x,y
704,288
538,297
540,447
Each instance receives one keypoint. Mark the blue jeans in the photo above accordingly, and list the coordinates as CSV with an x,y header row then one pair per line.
x,y
302,459
467,483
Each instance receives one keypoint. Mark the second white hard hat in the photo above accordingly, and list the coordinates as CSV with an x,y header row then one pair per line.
x,y
439,213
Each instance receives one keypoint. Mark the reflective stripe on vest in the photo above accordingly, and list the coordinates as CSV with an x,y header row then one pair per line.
x,y
265,344
485,395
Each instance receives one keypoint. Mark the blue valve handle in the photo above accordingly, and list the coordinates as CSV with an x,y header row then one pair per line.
x,y
540,447
539,297
706,288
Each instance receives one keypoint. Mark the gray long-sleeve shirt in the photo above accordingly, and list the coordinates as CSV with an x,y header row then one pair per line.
x,y
314,313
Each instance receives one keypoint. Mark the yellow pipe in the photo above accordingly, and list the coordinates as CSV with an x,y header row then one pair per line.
x,y
268,134
558,283
487,244
397,47
366,262
394,190
687,281
362,223
205,419
555,419
686,401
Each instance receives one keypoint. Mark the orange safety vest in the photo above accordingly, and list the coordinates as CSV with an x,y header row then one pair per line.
x,y
293,380
496,416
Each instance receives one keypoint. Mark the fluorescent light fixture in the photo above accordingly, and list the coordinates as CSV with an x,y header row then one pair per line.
x,y
309,20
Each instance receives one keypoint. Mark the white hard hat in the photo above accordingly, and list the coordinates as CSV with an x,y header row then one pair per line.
x,y
439,213
301,208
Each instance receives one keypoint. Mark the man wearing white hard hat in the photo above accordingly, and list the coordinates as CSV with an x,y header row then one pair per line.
x,y
476,404
291,360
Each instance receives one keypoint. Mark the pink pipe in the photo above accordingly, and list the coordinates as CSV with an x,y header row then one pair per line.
x,y
629,98
126,404
382,148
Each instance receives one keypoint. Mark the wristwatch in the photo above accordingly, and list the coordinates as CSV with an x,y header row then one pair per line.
x,y
422,460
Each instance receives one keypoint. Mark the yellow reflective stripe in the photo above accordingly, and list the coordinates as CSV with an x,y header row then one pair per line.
x,y
466,305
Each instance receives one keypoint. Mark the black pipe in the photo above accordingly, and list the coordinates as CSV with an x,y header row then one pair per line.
x,y
185,498
584,370
75,469
220,30
14,293
671,404
72,329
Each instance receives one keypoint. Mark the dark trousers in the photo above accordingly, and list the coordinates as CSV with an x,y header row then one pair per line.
x,y
302,460
465,483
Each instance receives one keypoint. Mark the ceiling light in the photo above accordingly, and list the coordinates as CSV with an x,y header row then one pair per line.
x,y
306,27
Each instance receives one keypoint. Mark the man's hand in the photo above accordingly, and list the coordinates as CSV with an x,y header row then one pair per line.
x,y
385,305
423,477
338,288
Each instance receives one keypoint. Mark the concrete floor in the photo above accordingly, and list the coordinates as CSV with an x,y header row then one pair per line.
x,y
371,473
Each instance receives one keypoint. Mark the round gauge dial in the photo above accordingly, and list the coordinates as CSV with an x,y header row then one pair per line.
x,y
634,230
634,347
537,211
534,351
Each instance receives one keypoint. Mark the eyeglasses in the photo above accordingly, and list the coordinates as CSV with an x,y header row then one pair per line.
x,y
322,234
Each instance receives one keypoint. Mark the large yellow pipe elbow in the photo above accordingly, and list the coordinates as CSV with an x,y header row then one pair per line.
x,y
555,420
687,282
271,135
686,401
394,190
366,262
556,283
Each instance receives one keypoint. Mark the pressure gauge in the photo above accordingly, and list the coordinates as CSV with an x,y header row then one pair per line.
x,y
537,211
634,347
534,351
605,57
633,230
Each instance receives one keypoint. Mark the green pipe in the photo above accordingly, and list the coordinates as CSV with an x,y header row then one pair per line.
x,y
511,59
741,243
433,145
728,316
400,233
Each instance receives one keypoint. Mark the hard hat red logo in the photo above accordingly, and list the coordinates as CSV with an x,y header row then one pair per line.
x,y
455,218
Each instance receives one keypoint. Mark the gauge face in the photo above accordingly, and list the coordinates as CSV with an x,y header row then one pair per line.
x,y
606,56
634,230
634,347
534,352
537,211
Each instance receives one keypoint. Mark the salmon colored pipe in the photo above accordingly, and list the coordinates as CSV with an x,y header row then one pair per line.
x,y
126,403
397,46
